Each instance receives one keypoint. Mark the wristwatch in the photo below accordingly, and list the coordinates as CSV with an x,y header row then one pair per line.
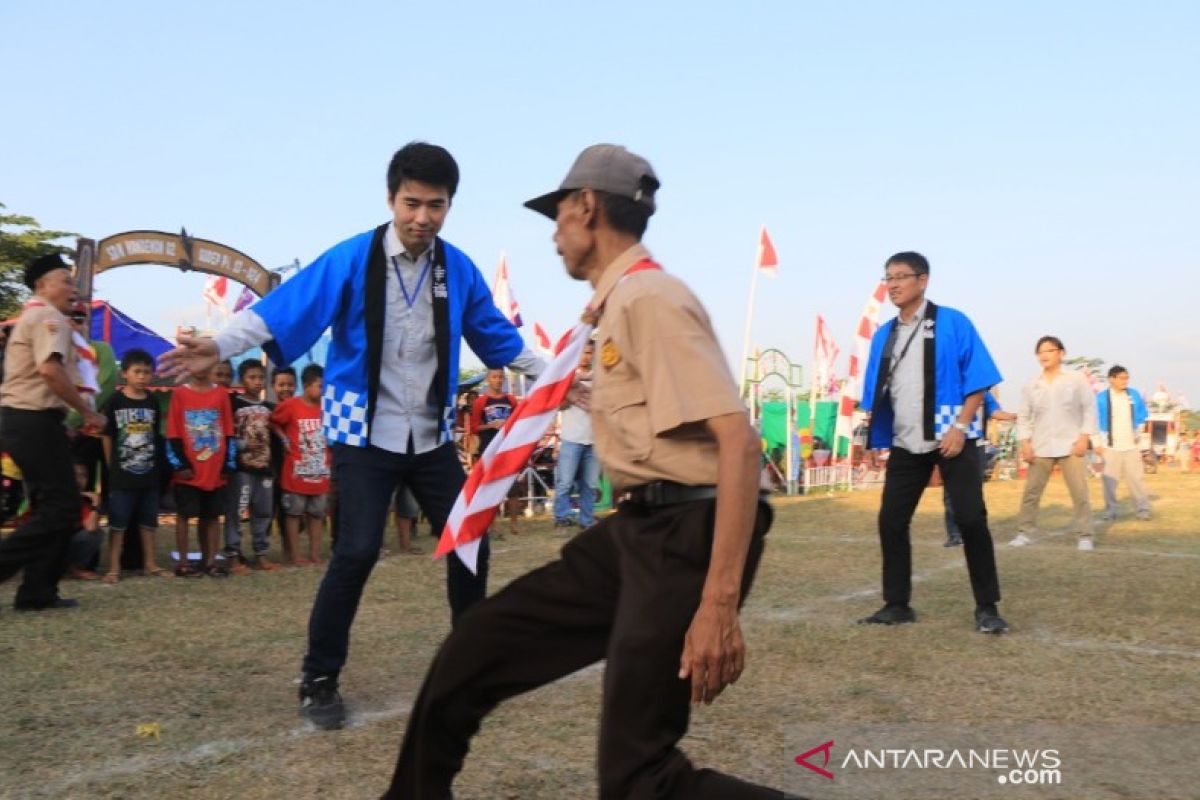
x,y
961,426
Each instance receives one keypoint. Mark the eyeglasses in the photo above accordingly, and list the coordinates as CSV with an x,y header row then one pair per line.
x,y
898,278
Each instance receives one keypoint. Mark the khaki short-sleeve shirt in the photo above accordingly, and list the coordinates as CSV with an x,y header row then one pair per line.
x,y
659,374
41,332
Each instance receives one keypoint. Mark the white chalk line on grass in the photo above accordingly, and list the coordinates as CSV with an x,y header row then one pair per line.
x,y
223,748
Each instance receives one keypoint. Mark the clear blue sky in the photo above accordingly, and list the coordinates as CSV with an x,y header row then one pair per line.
x,y
1042,155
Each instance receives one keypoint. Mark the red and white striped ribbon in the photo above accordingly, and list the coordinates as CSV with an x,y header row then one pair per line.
x,y
509,452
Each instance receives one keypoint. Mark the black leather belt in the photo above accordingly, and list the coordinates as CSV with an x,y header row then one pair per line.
x,y
667,493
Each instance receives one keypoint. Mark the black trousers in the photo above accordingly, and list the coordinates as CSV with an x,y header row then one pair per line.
x,y
624,590
907,476
366,478
38,444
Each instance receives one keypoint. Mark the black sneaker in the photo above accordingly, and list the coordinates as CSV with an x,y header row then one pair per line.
x,y
952,541
988,620
57,603
321,703
890,615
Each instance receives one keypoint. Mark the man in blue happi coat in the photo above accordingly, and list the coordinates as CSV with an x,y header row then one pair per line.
x,y
925,383
400,300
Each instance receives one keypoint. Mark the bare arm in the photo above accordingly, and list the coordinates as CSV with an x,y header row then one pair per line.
x,y
714,653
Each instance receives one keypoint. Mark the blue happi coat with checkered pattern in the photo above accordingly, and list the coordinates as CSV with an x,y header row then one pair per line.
x,y
957,364
344,289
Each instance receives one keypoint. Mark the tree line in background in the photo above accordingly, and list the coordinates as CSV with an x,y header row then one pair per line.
x,y
22,240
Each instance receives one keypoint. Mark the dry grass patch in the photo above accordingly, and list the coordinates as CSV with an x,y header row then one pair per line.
x,y
1101,665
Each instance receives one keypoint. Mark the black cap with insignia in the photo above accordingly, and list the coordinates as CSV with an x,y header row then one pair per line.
x,y
42,265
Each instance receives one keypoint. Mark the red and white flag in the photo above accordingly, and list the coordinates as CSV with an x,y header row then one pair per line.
x,y
509,452
502,294
825,353
215,289
868,323
541,341
766,259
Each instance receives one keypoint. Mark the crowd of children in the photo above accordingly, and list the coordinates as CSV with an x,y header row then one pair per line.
x,y
212,454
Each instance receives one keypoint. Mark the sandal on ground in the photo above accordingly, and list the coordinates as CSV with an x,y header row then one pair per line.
x,y
111,578
187,571
157,572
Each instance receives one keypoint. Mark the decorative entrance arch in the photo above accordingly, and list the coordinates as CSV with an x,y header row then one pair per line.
x,y
773,365
177,250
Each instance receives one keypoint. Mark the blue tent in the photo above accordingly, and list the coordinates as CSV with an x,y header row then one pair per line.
x,y
123,332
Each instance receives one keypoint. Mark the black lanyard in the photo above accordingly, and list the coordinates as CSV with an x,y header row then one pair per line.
x,y
887,384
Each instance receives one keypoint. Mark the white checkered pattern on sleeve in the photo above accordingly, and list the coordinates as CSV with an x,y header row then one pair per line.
x,y
945,418
345,416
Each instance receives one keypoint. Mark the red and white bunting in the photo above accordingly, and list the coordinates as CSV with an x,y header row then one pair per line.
x,y
215,289
868,323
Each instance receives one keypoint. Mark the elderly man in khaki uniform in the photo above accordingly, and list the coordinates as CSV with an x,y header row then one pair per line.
x,y
653,589
38,389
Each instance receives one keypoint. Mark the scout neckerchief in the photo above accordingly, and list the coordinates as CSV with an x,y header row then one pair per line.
x,y
508,454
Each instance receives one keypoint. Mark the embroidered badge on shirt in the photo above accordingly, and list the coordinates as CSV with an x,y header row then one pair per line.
x,y
52,325
610,356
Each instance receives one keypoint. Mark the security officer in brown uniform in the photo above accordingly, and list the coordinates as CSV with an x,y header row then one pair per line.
x,y
38,389
655,588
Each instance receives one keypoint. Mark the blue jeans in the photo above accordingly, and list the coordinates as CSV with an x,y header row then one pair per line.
x,y
366,478
578,468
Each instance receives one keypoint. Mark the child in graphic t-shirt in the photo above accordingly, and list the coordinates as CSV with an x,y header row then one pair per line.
x,y
134,452
201,450
488,415
305,475
252,485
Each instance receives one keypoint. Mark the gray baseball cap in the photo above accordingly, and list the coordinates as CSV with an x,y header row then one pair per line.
x,y
606,168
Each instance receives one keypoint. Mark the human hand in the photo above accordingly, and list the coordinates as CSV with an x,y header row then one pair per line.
x,y
194,355
93,423
714,653
1027,452
185,474
1080,448
952,443
873,459
580,394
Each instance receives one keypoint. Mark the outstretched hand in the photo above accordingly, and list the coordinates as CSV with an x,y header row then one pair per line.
x,y
194,355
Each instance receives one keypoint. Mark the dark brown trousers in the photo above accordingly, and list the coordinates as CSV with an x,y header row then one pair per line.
x,y
624,590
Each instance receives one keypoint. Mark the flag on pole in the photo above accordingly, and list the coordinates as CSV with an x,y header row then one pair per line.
x,y
244,299
509,452
868,323
502,294
215,289
541,341
766,261
825,354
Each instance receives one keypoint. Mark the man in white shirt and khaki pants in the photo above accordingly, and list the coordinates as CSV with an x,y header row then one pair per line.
x,y
1056,421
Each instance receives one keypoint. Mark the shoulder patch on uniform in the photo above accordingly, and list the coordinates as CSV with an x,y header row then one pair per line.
x,y
51,325
610,356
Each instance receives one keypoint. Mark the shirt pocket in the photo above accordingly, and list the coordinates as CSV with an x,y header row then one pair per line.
x,y
623,406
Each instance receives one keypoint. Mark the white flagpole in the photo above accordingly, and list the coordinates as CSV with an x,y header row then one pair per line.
x,y
812,392
749,321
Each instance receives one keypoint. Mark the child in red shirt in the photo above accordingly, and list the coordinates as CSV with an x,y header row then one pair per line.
x,y
201,450
305,474
488,415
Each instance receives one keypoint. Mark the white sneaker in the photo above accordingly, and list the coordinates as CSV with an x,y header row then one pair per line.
x,y
1020,540
1086,545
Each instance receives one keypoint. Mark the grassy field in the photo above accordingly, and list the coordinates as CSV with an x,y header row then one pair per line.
x,y
1101,666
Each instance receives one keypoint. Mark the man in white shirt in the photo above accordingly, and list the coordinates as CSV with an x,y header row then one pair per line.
x,y
577,464
1056,421
1122,414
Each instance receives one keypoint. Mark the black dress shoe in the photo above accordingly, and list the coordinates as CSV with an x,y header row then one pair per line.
x,y
988,620
890,615
58,602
